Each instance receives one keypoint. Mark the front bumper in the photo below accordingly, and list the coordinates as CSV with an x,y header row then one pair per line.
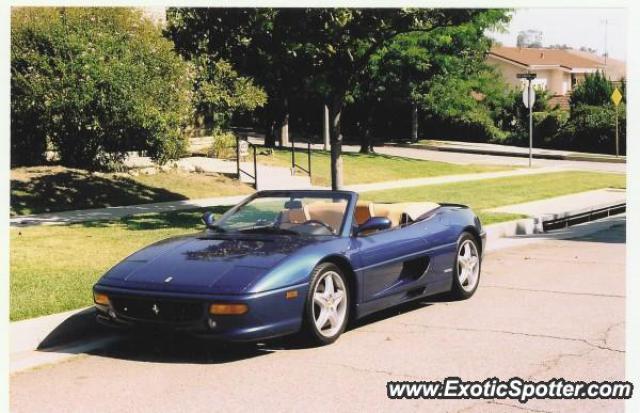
x,y
270,313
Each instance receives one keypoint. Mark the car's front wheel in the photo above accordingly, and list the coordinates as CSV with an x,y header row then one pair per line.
x,y
327,306
466,271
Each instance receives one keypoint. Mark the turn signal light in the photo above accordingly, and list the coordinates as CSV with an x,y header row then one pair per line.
x,y
228,309
100,298
291,294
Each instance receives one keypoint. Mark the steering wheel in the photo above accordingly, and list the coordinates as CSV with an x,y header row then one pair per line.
x,y
320,223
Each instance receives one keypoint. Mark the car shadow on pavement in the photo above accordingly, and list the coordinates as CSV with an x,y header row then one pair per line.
x,y
177,348
76,334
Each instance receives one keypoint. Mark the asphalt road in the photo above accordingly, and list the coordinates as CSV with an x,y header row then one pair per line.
x,y
553,308
481,159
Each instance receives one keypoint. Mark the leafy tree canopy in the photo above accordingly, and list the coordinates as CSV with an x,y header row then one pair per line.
x,y
595,90
95,83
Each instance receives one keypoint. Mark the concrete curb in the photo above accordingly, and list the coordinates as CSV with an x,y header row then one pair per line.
x,y
479,151
53,338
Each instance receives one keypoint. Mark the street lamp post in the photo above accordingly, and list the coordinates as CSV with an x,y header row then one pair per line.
x,y
529,104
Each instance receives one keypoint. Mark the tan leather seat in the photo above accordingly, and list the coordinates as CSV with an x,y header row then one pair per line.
x,y
394,212
364,211
294,216
330,213
391,211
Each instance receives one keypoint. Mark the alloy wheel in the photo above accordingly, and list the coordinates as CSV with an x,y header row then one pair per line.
x,y
468,265
329,308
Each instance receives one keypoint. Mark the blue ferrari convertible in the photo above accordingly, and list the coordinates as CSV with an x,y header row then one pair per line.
x,y
281,262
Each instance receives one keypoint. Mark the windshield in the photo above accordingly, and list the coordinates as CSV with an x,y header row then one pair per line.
x,y
289,215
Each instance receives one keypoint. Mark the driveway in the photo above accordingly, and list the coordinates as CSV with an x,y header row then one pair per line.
x,y
552,308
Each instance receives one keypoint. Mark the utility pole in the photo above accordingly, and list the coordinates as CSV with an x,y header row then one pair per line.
x,y
606,49
530,123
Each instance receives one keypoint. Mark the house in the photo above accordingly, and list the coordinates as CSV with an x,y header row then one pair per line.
x,y
557,70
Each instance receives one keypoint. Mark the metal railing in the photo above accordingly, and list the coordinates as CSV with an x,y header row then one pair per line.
x,y
239,169
294,165
587,216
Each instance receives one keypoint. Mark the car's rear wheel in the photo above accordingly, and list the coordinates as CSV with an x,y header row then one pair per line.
x,y
327,306
466,270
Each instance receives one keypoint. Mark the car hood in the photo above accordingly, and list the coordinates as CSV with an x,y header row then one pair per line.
x,y
203,264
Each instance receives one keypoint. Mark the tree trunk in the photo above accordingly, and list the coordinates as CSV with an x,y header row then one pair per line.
x,y
270,136
284,126
325,128
366,143
336,144
414,122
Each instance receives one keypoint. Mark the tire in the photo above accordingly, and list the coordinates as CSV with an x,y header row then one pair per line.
x,y
326,313
466,267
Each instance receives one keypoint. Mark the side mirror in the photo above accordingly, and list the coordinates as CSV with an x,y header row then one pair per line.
x,y
374,224
208,219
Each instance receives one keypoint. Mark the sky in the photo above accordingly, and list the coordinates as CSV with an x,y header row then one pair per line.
x,y
575,27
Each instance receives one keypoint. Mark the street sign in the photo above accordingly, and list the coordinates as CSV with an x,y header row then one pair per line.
x,y
243,148
528,98
525,97
616,97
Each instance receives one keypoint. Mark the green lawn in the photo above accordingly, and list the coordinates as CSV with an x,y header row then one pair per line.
x,y
54,267
491,193
364,169
55,188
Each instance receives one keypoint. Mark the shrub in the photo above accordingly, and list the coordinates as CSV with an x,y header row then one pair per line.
x,y
224,145
95,83
592,129
595,90
465,107
547,125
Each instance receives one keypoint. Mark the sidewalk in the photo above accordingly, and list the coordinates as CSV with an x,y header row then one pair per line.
x,y
67,217
80,215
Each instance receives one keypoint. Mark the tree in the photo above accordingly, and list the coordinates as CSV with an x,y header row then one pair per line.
x,y
414,64
260,43
529,38
322,52
470,103
341,43
221,92
595,90
562,46
94,83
